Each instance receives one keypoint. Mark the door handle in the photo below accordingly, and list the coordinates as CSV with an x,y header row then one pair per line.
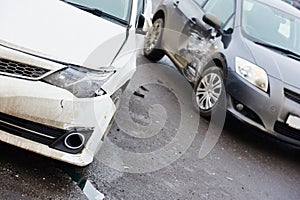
x,y
193,21
175,4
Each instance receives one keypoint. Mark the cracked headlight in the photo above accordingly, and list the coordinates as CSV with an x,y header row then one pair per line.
x,y
81,82
252,73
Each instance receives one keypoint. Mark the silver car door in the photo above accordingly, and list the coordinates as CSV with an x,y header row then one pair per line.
x,y
176,22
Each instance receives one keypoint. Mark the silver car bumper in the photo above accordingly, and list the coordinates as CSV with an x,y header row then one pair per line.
x,y
271,112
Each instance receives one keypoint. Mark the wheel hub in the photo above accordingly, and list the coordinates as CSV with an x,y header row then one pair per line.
x,y
208,91
153,35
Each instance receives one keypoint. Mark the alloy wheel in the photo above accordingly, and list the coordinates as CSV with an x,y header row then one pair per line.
x,y
208,91
153,36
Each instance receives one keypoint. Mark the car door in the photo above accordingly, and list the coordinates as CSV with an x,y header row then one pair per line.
x,y
193,23
183,11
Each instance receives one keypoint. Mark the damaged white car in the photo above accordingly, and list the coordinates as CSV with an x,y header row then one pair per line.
x,y
63,67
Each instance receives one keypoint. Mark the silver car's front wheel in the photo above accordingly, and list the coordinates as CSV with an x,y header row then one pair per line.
x,y
208,90
152,48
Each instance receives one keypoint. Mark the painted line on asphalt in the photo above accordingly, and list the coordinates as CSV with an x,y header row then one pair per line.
x,y
91,192
84,184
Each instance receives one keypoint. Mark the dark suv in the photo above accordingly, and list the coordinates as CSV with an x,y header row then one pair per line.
x,y
248,48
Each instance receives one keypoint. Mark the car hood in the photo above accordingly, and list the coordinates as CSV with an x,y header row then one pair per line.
x,y
276,64
59,31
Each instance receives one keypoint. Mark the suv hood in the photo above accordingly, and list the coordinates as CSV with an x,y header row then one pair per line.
x,y
276,64
59,31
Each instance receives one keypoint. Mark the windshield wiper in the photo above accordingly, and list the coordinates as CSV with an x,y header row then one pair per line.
x,y
288,53
97,12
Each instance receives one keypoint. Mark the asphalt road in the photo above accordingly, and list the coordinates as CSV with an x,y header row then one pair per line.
x,y
244,164
138,162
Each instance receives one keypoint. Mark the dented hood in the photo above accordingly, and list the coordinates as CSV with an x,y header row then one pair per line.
x,y
59,31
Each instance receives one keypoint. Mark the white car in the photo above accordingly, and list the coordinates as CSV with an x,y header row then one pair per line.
x,y
63,66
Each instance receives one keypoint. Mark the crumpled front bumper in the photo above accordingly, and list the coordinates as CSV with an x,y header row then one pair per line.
x,y
43,104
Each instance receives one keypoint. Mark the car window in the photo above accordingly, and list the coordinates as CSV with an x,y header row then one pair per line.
x,y
223,9
278,28
200,2
140,9
228,28
118,8
140,6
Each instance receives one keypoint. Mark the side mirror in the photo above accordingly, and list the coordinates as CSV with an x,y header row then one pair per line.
x,y
226,39
141,22
216,23
213,21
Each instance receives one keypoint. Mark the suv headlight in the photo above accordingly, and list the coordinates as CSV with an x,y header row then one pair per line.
x,y
81,82
252,73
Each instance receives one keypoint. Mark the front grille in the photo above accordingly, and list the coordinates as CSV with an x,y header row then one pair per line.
x,y
30,130
286,130
21,69
292,95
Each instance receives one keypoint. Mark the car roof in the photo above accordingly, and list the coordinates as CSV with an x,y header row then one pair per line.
x,y
283,6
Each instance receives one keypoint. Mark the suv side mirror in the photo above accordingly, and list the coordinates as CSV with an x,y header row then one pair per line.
x,y
213,21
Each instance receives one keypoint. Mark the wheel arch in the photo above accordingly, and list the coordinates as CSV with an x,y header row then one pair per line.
x,y
159,14
217,60
220,61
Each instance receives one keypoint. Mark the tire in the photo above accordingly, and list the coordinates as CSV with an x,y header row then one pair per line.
x,y
152,43
209,90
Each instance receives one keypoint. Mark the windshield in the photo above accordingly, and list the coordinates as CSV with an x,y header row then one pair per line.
x,y
118,8
269,25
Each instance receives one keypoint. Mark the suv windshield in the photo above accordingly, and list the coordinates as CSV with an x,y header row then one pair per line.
x,y
117,8
272,26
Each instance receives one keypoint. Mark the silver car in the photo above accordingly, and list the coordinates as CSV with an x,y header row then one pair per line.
x,y
248,48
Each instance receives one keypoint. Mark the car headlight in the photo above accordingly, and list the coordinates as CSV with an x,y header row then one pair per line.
x,y
252,73
82,82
